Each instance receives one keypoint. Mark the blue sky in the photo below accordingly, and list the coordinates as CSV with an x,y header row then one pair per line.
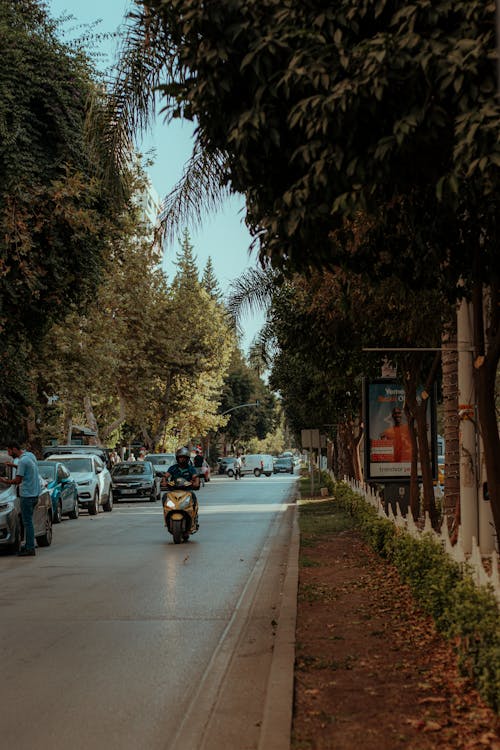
x,y
223,236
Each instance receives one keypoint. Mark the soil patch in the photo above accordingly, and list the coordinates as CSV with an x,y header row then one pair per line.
x,y
371,672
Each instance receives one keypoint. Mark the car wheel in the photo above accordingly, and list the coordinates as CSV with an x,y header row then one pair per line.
x,y
93,507
76,509
108,506
230,473
152,497
256,472
58,513
45,540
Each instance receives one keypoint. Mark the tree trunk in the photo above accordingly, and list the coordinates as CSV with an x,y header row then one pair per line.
x,y
91,420
487,354
346,467
414,492
107,431
419,411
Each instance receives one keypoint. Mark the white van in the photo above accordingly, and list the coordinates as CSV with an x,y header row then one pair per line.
x,y
257,464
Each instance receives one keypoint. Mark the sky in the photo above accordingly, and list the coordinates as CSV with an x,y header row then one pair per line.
x,y
223,236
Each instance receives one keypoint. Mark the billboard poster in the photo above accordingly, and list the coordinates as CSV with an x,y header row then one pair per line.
x,y
388,453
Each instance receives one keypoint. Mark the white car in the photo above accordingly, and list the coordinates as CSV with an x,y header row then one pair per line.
x,y
92,478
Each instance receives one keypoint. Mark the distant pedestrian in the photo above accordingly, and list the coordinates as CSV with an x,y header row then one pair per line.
x,y
114,458
28,476
237,467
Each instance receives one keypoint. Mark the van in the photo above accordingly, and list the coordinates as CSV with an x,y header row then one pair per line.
x,y
257,464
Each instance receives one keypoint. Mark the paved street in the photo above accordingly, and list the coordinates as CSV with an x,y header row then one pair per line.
x,y
108,635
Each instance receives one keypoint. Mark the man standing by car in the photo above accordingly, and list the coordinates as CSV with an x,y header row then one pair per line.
x,y
28,477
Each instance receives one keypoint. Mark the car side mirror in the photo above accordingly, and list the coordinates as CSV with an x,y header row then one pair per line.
x,y
98,469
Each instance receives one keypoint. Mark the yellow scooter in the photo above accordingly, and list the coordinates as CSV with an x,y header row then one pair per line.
x,y
180,510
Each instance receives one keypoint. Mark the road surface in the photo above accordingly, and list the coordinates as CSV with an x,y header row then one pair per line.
x,y
114,637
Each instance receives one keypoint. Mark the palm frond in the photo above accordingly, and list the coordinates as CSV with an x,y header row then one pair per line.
x,y
202,189
118,116
252,292
262,349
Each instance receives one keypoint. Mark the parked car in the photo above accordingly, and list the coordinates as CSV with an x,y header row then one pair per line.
x,y
226,466
11,523
94,450
283,464
92,478
257,464
161,462
135,479
62,488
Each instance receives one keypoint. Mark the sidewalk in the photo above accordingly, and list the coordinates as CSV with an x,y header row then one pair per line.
x,y
370,670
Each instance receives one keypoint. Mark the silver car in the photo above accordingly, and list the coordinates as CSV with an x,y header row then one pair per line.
x,y
93,480
11,522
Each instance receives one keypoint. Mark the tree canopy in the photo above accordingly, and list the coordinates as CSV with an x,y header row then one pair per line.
x,y
56,219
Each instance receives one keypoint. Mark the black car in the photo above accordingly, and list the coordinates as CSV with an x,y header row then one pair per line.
x,y
284,464
135,479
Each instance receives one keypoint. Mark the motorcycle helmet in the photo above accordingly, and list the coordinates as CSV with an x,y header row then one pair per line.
x,y
183,452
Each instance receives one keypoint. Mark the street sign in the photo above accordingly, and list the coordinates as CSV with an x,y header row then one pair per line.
x,y
310,439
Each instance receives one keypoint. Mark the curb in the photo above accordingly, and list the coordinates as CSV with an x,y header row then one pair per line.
x,y
278,709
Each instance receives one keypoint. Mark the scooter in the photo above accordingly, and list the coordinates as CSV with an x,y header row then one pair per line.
x,y
180,511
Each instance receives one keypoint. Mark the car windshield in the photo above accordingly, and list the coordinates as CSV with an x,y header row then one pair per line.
x,y
162,460
129,470
77,465
47,471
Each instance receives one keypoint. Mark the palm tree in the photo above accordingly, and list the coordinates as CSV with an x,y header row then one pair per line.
x,y
147,67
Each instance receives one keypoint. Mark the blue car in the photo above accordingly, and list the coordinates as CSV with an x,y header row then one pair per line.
x,y
62,488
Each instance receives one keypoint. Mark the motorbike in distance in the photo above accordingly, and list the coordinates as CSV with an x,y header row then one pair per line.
x,y
180,510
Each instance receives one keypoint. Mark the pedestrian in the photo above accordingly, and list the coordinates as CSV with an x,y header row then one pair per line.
x,y
27,475
114,458
237,467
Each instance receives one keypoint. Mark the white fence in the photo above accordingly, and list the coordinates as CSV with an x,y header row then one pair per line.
x,y
474,561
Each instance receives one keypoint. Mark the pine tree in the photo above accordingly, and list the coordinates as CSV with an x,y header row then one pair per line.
x,y
187,270
209,281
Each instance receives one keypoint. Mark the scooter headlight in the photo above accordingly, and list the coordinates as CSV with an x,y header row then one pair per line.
x,y
170,504
185,503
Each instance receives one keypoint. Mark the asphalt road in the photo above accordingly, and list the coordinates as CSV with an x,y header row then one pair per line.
x,y
114,637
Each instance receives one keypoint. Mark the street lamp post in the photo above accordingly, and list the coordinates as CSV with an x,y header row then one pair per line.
x,y
239,406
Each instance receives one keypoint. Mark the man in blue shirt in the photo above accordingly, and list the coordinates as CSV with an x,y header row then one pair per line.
x,y
28,477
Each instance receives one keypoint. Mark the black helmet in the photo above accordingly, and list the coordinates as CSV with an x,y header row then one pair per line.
x,y
183,452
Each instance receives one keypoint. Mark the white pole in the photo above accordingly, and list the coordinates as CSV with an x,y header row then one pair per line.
x,y
467,438
486,524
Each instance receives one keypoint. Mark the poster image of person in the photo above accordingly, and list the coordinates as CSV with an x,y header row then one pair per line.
x,y
389,437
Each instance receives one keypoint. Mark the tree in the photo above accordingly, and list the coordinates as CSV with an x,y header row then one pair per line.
x,y
56,217
384,110
209,281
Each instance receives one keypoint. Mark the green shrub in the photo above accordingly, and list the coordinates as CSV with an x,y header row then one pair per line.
x,y
463,612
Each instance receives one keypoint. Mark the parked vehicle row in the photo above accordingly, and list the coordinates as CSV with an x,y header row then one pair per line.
x,y
259,464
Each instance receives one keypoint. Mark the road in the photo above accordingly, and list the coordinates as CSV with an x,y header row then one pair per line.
x,y
114,637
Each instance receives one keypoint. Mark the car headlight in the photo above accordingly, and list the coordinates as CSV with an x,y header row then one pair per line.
x,y
7,506
84,484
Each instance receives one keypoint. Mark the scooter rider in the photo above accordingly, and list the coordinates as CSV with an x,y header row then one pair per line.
x,y
183,469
